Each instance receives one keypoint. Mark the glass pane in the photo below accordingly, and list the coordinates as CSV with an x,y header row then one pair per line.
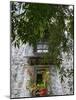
x,y
45,51
39,46
45,46
42,51
39,51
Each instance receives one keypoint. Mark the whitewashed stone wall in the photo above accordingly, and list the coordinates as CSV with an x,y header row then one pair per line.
x,y
19,67
56,86
66,73
20,77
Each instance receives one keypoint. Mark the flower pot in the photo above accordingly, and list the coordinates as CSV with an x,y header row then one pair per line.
x,y
43,92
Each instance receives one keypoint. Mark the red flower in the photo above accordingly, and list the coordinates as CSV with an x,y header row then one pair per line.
x,y
43,92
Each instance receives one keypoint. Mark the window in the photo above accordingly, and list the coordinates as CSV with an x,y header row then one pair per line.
x,y
42,47
39,78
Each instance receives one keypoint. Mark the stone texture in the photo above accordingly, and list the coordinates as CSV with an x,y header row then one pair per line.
x,y
56,86
20,77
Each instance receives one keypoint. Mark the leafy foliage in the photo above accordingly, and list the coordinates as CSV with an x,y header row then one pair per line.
x,y
32,22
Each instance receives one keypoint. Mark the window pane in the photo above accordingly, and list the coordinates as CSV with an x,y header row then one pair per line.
x,y
42,51
39,46
42,46
45,51
39,51
45,46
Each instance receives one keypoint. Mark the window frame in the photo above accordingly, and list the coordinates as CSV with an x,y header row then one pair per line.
x,y
42,49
